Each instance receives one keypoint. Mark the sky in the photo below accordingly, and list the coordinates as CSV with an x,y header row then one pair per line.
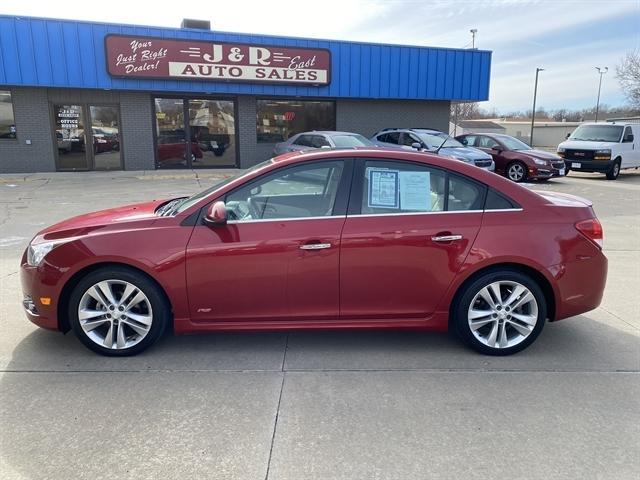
x,y
568,38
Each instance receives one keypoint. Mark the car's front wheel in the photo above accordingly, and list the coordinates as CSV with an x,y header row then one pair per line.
x,y
517,171
500,313
117,311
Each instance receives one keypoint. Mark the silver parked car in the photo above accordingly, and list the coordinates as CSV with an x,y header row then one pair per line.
x,y
430,140
321,139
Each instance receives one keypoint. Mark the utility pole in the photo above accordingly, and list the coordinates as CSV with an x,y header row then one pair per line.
x,y
533,110
473,37
601,72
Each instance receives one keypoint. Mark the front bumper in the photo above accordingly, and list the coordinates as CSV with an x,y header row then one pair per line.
x,y
36,291
547,171
601,166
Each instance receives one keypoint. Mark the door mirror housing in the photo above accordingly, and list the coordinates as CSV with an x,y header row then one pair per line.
x,y
216,214
497,148
568,135
416,145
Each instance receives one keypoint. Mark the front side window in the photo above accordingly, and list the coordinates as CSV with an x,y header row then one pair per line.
x,y
409,139
468,140
303,140
278,120
404,187
628,135
297,192
7,122
393,137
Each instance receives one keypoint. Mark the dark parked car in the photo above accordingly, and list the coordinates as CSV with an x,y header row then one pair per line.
x,y
325,139
515,159
431,140
365,238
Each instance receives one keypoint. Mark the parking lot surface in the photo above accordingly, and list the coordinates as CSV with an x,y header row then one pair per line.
x,y
331,405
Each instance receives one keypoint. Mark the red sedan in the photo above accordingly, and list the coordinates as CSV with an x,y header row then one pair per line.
x,y
515,159
357,238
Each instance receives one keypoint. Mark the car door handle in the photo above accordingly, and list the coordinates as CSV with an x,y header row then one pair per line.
x,y
446,238
315,246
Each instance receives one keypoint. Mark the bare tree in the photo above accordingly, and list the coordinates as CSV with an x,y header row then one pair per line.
x,y
628,75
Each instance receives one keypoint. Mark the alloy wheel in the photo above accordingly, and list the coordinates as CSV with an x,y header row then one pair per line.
x,y
516,172
503,314
115,314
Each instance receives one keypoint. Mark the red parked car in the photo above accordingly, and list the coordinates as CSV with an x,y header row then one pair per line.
x,y
514,159
354,238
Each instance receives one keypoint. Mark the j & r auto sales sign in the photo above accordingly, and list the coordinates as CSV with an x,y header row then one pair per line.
x,y
145,57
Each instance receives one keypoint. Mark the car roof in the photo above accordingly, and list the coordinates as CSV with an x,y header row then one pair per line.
x,y
329,133
388,130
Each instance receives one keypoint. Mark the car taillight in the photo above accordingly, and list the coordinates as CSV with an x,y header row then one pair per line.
x,y
592,229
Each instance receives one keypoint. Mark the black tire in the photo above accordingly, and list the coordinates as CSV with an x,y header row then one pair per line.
x,y
514,167
614,171
469,291
160,310
566,171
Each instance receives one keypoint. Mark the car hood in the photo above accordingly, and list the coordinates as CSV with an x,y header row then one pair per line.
x,y
83,224
541,155
466,153
586,145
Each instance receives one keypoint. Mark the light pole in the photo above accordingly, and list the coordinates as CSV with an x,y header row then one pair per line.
x,y
533,110
601,71
473,37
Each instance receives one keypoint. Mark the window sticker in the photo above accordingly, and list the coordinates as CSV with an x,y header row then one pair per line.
x,y
383,188
415,191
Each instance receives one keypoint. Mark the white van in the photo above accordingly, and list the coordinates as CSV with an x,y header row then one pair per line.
x,y
602,147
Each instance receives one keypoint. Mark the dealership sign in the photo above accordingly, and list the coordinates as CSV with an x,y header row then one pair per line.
x,y
145,57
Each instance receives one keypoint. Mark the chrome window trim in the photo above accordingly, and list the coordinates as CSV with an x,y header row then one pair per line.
x,y
400,214
263,220
432,213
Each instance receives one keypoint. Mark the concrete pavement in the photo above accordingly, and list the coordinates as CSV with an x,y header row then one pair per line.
x,y
343,405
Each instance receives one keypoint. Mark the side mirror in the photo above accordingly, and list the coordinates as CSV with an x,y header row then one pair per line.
x,y
628,138
568,135
216,214
497,148
416,145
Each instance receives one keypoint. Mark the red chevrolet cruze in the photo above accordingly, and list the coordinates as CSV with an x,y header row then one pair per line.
x,y
357,238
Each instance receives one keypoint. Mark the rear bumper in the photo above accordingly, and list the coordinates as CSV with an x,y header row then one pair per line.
x,y
580,285
601,166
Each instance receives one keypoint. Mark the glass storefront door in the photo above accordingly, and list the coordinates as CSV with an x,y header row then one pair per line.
x,y
87,146
71,137
195,133
105,132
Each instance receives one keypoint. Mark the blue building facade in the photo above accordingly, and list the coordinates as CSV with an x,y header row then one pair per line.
x,y
83,95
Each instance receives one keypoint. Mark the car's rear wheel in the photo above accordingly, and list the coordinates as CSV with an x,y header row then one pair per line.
x,y
517,171
117,311
500,313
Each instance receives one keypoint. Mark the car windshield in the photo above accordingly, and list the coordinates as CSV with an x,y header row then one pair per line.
x,y
435,139
183,204
514,144
597,133
345,141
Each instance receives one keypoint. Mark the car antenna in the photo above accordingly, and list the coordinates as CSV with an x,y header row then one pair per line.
x,y
442,144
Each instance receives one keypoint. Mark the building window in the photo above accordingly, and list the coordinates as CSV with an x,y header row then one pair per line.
x,y
195,133
7,122
277,120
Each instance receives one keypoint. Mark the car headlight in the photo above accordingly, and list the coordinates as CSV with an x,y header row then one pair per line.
x,y
540,162
604,154
462,159
605,151
561,150
37,251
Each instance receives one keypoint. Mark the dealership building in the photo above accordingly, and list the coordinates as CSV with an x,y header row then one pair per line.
x,y
77,96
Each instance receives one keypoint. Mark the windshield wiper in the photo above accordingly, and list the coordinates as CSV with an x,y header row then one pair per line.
x,y
442,144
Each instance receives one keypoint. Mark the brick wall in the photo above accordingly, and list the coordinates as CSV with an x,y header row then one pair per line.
x,y
33,122
369,116
32,119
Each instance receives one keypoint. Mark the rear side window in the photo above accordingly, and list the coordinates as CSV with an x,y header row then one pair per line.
x,y
464,194
393,137
401,187
303,140
496,201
